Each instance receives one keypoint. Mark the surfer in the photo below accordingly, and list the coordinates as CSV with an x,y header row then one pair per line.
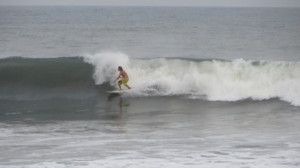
x,y
122,78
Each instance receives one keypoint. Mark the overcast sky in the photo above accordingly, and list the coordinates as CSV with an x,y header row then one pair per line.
x,y
272,3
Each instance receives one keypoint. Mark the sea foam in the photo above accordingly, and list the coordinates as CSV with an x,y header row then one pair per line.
x,y
216,80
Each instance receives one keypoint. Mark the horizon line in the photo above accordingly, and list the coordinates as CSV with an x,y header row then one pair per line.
x,y
176,6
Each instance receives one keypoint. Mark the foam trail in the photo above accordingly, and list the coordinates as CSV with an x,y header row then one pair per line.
x,y
216,80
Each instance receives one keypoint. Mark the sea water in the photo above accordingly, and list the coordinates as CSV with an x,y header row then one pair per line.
x,y
212,87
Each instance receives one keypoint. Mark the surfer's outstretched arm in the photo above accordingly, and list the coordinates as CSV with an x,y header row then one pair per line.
x,y
117,78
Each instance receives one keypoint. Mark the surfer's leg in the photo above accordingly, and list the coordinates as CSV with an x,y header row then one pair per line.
x,y
124,82
127,86
119,84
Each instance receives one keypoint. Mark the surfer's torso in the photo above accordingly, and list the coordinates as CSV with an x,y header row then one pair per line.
x,y
124,75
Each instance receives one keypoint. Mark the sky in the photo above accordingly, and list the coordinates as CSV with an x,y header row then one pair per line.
x,y
227,3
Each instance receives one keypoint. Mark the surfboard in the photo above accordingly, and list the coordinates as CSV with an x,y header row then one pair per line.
x,y
116,92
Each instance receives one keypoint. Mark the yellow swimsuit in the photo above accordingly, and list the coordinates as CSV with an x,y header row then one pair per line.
x,y
125,78
124,81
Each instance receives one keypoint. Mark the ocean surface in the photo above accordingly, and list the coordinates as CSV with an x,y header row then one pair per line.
x,y
212,87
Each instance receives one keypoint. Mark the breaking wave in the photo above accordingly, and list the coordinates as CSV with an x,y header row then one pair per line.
x,y
216,80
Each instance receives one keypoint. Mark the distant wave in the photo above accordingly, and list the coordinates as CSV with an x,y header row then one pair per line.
x,y
215,80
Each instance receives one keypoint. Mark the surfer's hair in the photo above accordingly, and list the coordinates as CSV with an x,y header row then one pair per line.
x,y
120,68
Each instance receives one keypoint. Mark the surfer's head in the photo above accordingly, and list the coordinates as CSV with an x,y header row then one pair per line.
x,y
120,68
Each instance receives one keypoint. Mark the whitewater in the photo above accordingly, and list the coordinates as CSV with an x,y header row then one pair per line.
x,y
214,80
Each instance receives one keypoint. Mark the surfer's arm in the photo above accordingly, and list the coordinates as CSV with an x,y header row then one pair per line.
x,y
118,77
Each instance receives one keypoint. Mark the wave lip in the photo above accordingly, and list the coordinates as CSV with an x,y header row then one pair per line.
x,y
217,80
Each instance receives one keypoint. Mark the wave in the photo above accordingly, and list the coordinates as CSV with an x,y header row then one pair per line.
x,y
215,80
45,72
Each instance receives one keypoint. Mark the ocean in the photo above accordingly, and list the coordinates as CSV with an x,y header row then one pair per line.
x,y
211,87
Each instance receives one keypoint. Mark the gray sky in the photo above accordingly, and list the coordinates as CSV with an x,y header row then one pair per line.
x,y
272,3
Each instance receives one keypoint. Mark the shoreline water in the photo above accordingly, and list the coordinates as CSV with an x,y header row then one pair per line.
x,y
150,132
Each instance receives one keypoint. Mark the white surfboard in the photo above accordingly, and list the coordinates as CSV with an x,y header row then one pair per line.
x,y
115,91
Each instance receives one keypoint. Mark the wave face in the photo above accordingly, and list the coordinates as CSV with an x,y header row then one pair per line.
x,y
48,72
215,80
